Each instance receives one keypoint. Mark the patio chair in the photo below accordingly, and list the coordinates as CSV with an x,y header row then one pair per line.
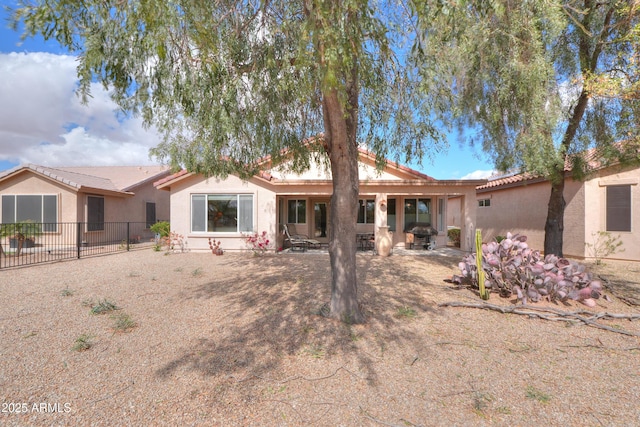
x,y
298,242
365,241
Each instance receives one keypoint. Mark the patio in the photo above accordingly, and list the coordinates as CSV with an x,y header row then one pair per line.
x,y
449,251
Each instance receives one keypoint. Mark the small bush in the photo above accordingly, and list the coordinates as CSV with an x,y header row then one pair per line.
x,y
315,350
604,245
83,342
66,292
258,242
161,228
454,236
164,237
406,312
104,306
512,268
123,323
535,394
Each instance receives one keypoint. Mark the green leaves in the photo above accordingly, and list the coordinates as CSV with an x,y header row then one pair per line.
x,y
228,83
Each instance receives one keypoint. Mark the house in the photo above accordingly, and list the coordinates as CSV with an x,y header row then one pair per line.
x,y
608,201
397,196
91,195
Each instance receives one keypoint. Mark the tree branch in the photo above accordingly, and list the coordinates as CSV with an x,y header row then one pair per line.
x,y
554,314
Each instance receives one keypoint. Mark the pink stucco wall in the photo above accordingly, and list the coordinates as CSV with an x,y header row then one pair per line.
x,y
595,212
28,183
522,209
264,209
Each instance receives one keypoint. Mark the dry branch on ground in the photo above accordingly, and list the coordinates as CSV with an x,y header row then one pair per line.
x,y
547,313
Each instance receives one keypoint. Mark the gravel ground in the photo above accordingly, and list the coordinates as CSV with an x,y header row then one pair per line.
x,y
236,340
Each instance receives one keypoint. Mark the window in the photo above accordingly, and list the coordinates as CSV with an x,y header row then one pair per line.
x,y
95,213
150,213
619,208
34,207
221,213
391,214
297,212
366,211
417,210
484,203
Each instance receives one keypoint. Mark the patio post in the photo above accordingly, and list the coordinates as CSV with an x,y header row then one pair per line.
x,y
383,239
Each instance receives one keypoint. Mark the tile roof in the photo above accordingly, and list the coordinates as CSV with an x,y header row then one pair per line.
x,y
123,178
509,179
119,179
594,158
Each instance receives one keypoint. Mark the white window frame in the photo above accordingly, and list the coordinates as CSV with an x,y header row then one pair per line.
x,y
240,228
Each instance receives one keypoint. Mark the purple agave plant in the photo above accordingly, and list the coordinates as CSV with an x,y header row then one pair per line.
x,y
512,268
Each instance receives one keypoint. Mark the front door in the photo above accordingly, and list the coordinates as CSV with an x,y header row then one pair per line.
x,y
321,221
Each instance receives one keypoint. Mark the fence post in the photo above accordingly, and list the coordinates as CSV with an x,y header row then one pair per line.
x,y
79,238
128,236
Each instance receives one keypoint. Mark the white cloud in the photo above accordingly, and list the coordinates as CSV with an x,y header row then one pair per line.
x,y
42,120
479,174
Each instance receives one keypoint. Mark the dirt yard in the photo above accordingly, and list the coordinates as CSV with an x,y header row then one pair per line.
x,y
237,340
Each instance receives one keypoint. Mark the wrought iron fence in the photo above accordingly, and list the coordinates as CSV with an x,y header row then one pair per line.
x,y
32,243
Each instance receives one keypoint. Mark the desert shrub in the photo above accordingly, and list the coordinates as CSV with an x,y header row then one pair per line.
x,y
83,342
103,306
259,243
512,268
162,228
123,322
164,237
176,242
173,242
454,235
604,245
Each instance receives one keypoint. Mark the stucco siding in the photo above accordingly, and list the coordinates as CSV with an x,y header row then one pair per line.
x,y
321,172
275,186
523,209
574,219
28,183
520,210
595,214
264,210
133,208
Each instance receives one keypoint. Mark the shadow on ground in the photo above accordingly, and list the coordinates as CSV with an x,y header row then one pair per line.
x,y
272,311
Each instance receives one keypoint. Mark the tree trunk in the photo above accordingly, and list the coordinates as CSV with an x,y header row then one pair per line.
x,y
340,135
589,48
554,226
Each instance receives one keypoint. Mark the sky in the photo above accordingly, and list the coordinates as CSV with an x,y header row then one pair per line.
x,y
42,120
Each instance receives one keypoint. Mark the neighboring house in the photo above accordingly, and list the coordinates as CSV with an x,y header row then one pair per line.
x,y
225,209
609,201
91,195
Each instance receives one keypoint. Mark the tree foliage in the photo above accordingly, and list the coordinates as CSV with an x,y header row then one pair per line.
x,y
534,78
542,81
230,82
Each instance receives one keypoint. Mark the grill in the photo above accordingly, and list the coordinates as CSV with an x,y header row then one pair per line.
x,y
421,233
